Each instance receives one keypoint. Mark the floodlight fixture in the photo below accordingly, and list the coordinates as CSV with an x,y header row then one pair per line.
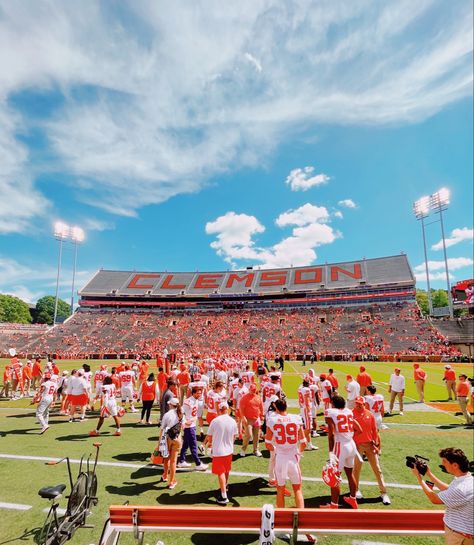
x,y
61,230
440,198
77,235
421,207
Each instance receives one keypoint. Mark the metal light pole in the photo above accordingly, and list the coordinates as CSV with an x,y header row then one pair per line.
x,y
439,202
421,208
77,236
61,232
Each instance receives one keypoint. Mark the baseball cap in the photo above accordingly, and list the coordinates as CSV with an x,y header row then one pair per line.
x,y
416,365
397,369
349,376
223,405
362,368
359,399
173,401
322,376
447,366
252,388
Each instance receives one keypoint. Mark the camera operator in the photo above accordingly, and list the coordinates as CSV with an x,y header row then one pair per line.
x,y
457,496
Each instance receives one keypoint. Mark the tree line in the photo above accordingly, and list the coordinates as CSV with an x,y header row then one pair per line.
x,y
14,310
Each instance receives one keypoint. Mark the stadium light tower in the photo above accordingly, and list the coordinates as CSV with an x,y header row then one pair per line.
x,y
439,203
77,236
421,208
61,233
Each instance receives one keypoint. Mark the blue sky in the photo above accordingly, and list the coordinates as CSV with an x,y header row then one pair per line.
x,y
210,136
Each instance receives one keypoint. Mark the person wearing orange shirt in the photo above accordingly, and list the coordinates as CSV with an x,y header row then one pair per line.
x,y
332,379
419,377
251,411
148,392
36,373
462,393
183,378
27,376
142,372
450,381
162,380
364,380
367,440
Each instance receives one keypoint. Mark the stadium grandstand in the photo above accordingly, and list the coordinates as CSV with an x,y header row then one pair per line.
x,y
354,310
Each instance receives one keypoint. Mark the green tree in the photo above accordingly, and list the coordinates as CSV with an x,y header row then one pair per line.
x,y
14,310
440,298
45,309
422,300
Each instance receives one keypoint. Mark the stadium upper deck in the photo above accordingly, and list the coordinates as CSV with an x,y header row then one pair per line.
x,y
386,278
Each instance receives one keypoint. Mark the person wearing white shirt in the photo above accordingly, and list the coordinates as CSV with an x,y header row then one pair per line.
x,y
396,388
353,391
220,436
457,497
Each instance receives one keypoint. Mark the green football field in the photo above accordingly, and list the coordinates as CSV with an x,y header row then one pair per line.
x,y
125,475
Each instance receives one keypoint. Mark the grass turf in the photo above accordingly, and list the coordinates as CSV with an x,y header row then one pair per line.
x,y
417,432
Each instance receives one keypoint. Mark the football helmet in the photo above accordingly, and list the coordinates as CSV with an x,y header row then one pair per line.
x,y
331,474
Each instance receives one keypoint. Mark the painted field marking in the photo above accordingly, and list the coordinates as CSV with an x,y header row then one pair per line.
x,y
149,466
16,506
365,542
59,511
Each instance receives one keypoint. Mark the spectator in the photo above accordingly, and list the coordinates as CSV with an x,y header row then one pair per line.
x,y
148,393
171,421
367,440
458,497
364,380
333,380
450,381
170,392
396,389
251,412
419,376
462,393
220,438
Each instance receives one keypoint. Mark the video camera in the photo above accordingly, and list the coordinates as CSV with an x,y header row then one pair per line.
x,y
419,462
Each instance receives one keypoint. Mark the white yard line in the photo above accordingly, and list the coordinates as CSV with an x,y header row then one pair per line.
x,y
365,542
15,506
148,466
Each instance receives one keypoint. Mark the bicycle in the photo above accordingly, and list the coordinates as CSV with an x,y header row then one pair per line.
x,y
57,530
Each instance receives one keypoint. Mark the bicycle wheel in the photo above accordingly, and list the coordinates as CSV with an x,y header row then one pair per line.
x,y
78,494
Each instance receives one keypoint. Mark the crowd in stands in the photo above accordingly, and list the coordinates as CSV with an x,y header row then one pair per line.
x,y
390,329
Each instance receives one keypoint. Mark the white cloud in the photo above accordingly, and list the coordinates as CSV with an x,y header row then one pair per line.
x,y
338,214
180,105
348,203
94,224
34,280
457,236
235,238
308,213
421,277
302,179
454,264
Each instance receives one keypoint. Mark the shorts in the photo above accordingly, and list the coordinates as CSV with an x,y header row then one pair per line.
x,y
127,394
78,400
378,420
210,417
200,407
109,409
221,464
305,416
346,453
287,467
98,390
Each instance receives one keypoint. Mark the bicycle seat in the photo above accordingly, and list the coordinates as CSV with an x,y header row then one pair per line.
x,y
52,492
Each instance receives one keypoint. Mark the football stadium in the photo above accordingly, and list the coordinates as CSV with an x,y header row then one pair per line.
x,y
236,272
283,331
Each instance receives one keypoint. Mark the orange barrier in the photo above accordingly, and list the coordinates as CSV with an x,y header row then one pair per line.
x,y
247,520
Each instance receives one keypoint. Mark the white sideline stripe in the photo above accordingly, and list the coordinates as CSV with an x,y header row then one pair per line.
x,y
16,506
236,473
59,511
365,542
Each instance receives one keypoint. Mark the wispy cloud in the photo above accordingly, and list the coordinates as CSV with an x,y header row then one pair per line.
x,y
454,264
347,203
302,179
457,236
94,224
196,91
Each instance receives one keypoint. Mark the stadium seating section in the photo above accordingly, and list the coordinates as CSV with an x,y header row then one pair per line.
x,y
389,329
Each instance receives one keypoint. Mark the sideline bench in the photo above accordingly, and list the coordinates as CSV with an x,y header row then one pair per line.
x,y
139,519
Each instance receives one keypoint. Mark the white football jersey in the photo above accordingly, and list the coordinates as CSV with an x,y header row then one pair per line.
x,y
285,431
343,424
